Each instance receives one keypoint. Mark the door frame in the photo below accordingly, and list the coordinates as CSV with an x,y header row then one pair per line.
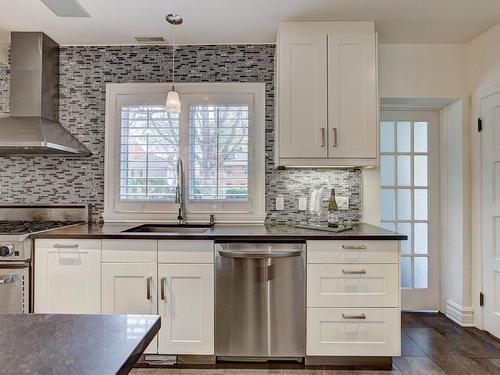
x,y
477,249
437,175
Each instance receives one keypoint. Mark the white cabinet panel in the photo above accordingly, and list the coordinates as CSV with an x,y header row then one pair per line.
x,y
130,289
352,251
195,251
352,96
186,307
302,95
352,285
353,332
130,251
68,276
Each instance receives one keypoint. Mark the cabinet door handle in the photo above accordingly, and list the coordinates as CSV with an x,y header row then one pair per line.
x,y
334,140
322,137
148,287
59,246
360,272
163,281
348,316
354,247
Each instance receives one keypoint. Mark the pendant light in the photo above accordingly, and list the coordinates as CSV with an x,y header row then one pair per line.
x,y
173,104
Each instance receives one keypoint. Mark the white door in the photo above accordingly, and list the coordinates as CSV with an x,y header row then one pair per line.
x,y
60,267
352,96
303,95
409,176
490,115
130,288
186,308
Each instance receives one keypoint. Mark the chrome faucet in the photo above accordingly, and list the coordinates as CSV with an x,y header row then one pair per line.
x,y
179,192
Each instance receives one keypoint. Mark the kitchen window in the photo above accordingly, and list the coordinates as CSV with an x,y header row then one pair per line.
x,y
219,136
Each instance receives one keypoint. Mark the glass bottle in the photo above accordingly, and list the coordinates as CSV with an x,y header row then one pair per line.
x,y
333,211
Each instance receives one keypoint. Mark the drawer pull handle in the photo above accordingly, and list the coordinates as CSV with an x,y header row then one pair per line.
x,y
59,246
348,316
148,287
354,247
360,272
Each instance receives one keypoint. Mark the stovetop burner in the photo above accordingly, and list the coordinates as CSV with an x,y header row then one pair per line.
x,y
24,227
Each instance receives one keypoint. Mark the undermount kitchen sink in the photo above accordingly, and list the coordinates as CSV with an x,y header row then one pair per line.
x,y
169,228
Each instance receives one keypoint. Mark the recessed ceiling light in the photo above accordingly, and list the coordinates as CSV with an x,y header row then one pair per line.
x,y
66,8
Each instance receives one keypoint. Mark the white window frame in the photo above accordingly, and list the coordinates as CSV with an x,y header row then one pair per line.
x,y
115,210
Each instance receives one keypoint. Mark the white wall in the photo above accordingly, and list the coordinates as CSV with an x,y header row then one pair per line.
x,y
435,74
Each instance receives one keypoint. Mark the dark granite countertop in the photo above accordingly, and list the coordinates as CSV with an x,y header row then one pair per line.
x,y
73,344
223,232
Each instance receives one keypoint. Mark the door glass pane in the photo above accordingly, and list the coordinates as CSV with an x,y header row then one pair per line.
x,y
386,136
404,136
420,167
405,272
420,136
421,238
404,179
420,204
387,204
405,228
404,170
404,204
420,269
389,226
387,170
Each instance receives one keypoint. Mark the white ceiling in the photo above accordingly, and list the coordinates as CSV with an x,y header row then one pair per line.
x,y
250,21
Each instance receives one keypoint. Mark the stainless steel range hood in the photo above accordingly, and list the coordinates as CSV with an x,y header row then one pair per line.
x,y
32,127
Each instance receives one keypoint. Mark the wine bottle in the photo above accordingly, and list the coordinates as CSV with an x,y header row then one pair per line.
x,y
333,211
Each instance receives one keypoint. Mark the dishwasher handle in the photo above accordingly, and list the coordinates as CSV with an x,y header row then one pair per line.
x,y
260,255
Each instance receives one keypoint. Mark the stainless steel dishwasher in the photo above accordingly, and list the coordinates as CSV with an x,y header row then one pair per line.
x,y
260,301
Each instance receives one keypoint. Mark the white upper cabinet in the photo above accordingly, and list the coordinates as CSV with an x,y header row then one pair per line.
x,y
303,95
327,97
352,96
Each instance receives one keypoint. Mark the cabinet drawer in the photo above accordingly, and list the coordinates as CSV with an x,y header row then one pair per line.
x,y
68,245
352,251
129,251
185,251
353,285
353,332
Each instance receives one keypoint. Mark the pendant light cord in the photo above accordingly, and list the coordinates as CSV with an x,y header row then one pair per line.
x,y
173,57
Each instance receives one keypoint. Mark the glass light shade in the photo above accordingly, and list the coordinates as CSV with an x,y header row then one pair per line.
x,y
173,104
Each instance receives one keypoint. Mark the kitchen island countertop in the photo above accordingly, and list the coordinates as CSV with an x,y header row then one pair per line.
x,y
73,344
223,232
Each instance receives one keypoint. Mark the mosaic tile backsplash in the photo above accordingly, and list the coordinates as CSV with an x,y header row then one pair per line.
x,y
84,72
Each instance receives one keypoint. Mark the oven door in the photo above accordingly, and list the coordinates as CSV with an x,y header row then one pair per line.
x,y
14,288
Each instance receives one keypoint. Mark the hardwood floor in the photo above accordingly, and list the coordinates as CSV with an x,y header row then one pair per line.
x,y
431,345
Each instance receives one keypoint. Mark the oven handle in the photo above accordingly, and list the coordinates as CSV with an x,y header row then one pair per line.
x,y
263,255
9,279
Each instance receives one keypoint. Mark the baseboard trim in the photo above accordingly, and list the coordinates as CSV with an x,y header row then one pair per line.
x,y
461,315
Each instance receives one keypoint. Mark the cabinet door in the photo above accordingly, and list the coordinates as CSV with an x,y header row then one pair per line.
x,y
68,276
302,95
130,288
186,308
352,96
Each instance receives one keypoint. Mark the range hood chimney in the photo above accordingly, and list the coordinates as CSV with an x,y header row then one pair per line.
x,y
32,127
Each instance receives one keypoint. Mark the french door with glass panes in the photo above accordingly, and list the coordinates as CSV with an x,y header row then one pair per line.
x,y
409,176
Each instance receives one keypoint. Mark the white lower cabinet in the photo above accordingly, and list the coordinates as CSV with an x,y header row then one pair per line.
x,y
130,288
353,332
67,276
186,307
353,298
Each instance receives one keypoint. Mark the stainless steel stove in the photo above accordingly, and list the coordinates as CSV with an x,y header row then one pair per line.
x,y
17,223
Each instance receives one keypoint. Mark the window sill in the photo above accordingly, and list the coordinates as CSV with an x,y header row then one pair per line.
x,y
195,217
